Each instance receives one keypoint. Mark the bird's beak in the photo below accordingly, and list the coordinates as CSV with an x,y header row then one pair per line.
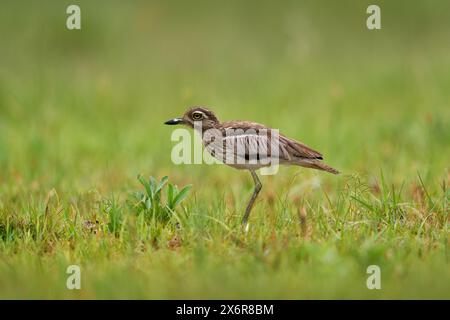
x,y
174,121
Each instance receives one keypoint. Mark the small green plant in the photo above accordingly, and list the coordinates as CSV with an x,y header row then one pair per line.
x,y
150,203
115,218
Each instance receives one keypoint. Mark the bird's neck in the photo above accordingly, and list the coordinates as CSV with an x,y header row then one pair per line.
x,y
204,128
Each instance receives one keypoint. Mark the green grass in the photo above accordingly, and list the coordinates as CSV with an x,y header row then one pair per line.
x,y
82,112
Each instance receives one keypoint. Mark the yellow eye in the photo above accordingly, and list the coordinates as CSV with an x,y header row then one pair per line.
x,y
197,116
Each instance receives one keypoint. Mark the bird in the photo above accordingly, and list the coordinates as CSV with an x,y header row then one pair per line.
x,y
249,146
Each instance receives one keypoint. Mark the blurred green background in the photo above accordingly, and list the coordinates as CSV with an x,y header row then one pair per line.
x,y
83,110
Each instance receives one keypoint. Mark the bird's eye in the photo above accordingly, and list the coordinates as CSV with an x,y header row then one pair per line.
x,y
197,116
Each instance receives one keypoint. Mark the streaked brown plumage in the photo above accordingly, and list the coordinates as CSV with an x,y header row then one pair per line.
x,y
249,145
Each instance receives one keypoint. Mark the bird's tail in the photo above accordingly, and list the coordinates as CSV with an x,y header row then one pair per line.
x,y
316,164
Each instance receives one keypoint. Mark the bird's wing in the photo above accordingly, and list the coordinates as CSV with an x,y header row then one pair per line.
x,y
248,141
288,148
298,149
257,146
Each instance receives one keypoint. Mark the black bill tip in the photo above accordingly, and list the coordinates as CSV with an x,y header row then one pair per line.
x,y
174,121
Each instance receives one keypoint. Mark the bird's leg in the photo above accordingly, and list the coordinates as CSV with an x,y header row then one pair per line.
x,y
258,187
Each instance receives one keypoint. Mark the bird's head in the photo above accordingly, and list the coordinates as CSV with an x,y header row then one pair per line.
x,y
194,115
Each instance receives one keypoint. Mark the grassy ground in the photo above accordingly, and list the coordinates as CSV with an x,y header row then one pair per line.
x,y
81,116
